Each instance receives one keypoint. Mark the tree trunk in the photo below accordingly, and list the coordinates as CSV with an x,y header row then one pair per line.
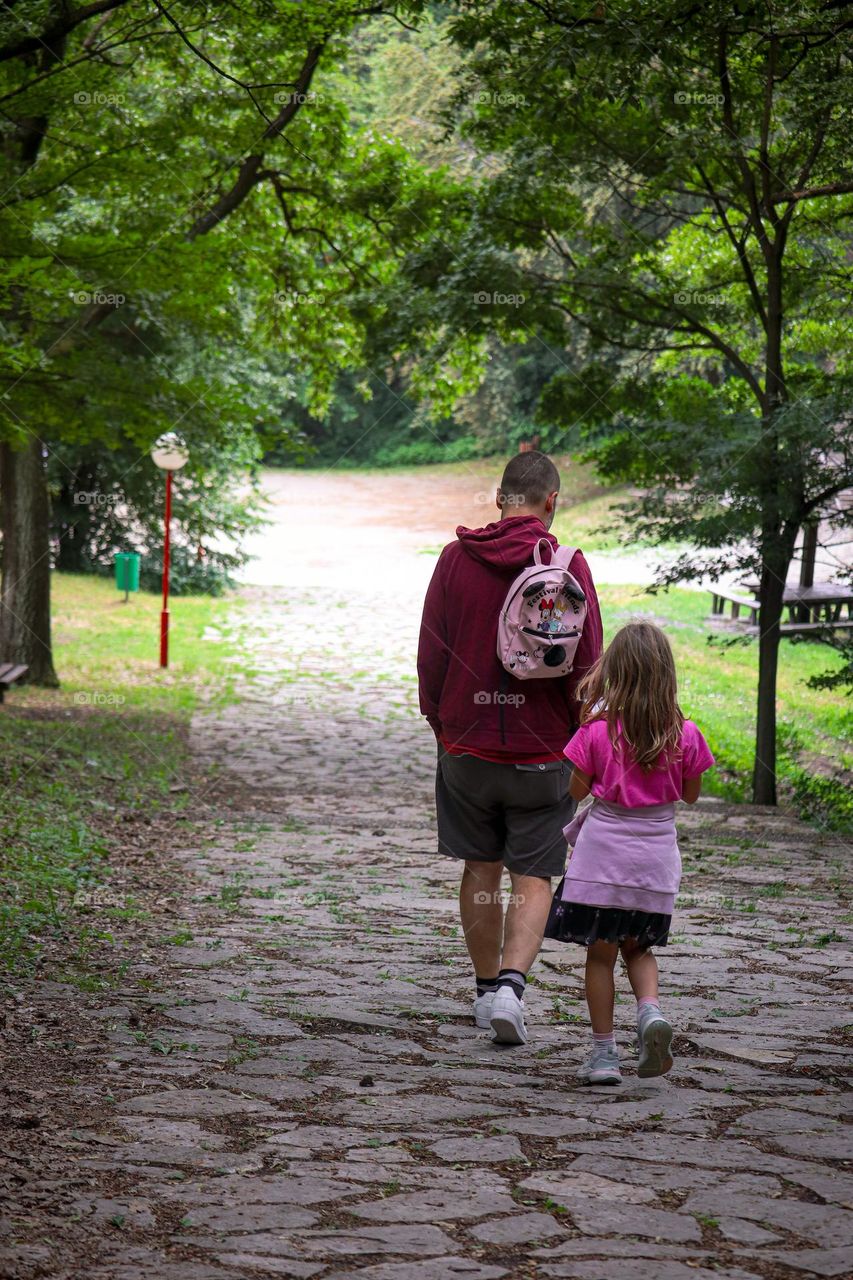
x,y
778,551
764,772
25,590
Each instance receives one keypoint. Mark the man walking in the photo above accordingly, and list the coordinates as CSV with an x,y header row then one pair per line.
x,y
502,780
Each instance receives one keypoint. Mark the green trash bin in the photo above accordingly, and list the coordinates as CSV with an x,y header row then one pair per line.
x,y
127,572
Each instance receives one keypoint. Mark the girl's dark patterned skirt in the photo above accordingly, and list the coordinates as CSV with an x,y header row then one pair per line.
x,y
577,922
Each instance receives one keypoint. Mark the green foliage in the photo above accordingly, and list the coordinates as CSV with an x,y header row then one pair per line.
x,y
106,749
185,239
106,501
422,452
825,800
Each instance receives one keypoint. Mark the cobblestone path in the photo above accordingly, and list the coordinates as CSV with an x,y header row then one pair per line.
x,y
294,1084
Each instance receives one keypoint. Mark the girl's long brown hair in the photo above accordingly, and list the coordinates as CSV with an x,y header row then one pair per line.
x,y
633,686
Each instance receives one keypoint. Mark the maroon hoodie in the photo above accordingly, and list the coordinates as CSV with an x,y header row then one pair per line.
x,y
458,668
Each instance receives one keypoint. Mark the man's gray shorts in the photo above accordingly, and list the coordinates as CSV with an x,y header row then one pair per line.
x,y
510,813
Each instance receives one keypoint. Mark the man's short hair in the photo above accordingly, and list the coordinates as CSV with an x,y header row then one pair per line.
x,y
528,478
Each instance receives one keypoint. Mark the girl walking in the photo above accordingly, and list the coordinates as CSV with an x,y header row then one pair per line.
x,y
636,754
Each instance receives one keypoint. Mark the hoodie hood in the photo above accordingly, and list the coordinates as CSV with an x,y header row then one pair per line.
x,y
505,544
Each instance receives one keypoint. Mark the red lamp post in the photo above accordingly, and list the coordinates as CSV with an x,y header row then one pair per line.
x,y
169,454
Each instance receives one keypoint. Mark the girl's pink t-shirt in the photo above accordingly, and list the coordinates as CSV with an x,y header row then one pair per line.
x,y
618,780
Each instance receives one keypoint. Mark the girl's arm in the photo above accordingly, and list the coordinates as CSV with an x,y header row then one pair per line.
x,y
580,784
690,789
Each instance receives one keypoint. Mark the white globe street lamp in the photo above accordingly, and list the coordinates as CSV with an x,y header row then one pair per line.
x,y
169,453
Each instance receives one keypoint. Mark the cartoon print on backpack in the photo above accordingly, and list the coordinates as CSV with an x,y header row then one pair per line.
x,y
544,611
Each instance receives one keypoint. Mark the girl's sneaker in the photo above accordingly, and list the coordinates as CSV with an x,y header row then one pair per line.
x,y
654,1035
602,1067
483,1010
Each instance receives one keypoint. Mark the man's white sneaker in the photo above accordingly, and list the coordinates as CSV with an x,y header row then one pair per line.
x,y
507,1019
483,1010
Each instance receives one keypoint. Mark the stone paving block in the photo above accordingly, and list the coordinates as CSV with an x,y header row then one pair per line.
x,y
672,1176
413,1109
601,1217
161,1269
519,1228
837,1261
268,1189
741,1231
436,1206
242,1262
816,1146
194,1102
244,1216
563,1186
130,1211
546,1126
775,1120
724,1154
282,1089
615,1248
418,1238
232,1013
447,1268
476,1150
824,1224
638,1269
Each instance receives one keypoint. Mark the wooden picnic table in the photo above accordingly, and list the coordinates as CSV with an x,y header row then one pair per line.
x,y
9,673
822,606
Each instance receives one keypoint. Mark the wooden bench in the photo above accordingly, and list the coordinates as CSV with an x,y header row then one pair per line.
x,y
9,673
804,628
720,598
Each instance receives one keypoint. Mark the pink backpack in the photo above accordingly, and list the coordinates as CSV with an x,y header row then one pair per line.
x,y
542,617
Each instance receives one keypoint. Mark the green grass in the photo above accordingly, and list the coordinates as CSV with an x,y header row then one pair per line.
x,y
108,745
717,689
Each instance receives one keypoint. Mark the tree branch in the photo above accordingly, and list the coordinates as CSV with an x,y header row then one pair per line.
x,y
58,29
250,170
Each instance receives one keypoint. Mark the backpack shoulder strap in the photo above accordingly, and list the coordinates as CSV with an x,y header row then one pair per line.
x,y
564,556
